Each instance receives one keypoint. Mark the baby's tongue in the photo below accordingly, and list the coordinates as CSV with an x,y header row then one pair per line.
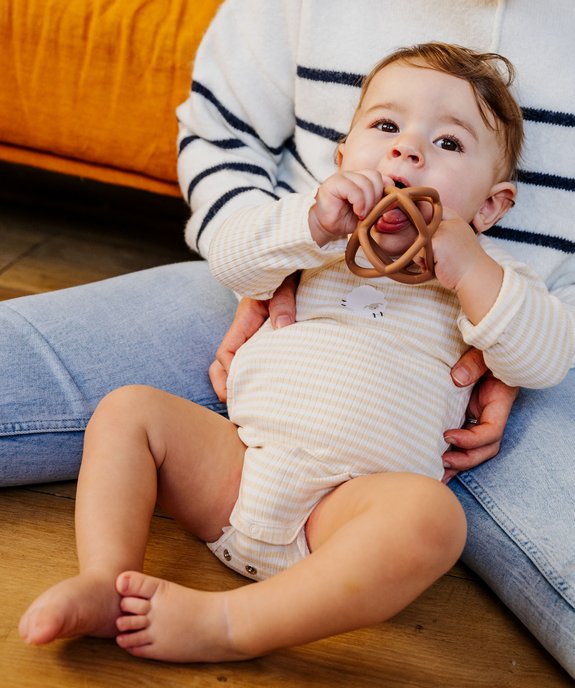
x,y
395,215
392,219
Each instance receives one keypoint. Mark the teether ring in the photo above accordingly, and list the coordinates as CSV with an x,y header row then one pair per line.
x,y
402,269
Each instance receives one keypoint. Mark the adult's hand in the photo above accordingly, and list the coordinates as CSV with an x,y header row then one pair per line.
x,y
250,316
490,404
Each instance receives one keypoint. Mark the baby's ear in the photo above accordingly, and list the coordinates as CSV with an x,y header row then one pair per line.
x,y
501,198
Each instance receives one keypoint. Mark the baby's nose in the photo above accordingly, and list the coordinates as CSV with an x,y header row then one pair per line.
x,y
408,152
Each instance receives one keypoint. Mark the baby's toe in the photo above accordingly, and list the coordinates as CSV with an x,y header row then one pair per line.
x,y
128,624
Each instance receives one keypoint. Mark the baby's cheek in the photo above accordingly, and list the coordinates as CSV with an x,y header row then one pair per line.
x,y
426,209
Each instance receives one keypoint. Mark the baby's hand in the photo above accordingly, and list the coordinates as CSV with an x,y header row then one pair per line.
x,y
462,265
342,200
455,249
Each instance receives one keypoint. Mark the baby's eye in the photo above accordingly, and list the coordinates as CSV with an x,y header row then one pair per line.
x,y
449,143
387,126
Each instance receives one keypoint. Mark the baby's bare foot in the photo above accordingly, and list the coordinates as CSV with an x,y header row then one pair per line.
x,y
83,605
167,621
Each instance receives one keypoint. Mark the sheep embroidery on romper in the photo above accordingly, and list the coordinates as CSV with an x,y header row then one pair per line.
x,y
365,300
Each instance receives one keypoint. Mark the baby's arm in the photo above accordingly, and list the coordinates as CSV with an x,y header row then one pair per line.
x,y
528,336
253,254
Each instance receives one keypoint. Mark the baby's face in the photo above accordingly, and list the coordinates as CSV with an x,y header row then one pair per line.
x,y
421,127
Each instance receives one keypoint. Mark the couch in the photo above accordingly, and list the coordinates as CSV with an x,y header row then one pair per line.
x,y
89,87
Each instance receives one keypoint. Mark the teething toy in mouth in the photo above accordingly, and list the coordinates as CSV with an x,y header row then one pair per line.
x,y
403,268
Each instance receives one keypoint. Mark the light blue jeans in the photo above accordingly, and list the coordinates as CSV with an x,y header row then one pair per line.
x,y
61,352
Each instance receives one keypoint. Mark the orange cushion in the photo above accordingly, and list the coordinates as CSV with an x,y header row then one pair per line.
x,y
90,87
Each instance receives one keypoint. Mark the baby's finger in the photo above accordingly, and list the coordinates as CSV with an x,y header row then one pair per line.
x,y
365,192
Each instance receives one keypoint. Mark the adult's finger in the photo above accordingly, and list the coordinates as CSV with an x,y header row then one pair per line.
x,y
480,439
249,317
469,368
218,377
282,304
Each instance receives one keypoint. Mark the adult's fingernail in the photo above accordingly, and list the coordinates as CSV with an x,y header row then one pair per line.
x,y
462,376
282,321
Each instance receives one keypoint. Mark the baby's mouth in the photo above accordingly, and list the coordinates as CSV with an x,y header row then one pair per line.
x,y
392,220
400,182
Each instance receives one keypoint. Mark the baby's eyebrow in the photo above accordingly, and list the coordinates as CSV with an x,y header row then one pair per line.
x,y
394,107
452,119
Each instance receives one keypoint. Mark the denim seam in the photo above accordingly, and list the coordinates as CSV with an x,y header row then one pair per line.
x,y
563,587
34,426
56,425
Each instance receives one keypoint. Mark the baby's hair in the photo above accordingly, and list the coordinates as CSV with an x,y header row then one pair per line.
x,y
490,75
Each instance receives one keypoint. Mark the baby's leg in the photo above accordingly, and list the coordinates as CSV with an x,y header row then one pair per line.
x,y
141,446
377,542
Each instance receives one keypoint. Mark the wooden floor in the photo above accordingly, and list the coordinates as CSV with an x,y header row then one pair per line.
x,y
456,635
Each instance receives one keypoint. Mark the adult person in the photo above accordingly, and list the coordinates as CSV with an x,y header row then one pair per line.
x,y
256,123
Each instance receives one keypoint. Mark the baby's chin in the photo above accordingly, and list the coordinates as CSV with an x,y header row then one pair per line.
x,y
395,245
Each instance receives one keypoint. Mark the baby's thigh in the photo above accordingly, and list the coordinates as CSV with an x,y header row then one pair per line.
x,y
198,455
382,506
199,478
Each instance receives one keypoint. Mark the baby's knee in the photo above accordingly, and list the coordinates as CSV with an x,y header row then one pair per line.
x,y
439,523
429,518
125,404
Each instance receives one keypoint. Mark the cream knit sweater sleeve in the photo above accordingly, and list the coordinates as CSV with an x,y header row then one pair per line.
x,y
239,118
261,246
528,336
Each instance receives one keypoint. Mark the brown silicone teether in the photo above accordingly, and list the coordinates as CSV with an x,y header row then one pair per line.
x,y
402,269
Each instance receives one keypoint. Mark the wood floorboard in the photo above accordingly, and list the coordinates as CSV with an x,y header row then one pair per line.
x,y
456,635
53,252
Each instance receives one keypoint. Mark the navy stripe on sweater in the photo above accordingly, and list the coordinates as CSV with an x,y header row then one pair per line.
x,y
225,144
221,202
523,237
292,148
231,119
232,166
286,186
562,119
334,76
319,130
329,76
552,181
